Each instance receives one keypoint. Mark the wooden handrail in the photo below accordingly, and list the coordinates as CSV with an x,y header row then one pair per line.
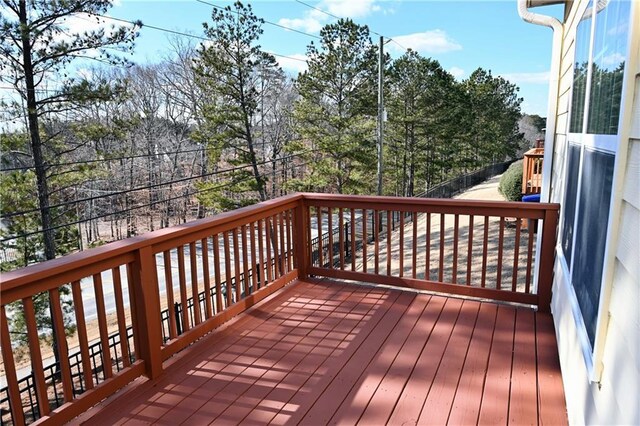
x,y
138,256
248,254
412,203
126,247
510,281
532,171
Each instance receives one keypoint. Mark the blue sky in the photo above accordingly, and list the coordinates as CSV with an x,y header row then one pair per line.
x,y
460,35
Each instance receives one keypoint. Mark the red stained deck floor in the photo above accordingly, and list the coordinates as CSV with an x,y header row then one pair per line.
x,y
329,352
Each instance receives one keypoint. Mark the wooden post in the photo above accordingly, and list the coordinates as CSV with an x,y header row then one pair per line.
x,y
300,238
147,303
15,403
547,255
525,174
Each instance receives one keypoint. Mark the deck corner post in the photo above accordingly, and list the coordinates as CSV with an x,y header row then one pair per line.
x,y
300,238
147,304
547,256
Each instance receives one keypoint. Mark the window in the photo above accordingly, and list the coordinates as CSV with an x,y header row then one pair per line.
x,y
607,68
570,198
580,68
591,234
601,47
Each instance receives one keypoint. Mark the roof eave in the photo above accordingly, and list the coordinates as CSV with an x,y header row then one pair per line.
x,y
538,3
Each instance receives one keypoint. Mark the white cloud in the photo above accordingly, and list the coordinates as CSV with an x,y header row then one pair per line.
x,y
349,8
433,41
621,29
295,65
313,20
613,60
307,24
527,77
83,22
456,72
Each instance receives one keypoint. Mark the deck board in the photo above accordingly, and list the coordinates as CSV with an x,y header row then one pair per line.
x,y
437,406
388,374
495,396
384,355
409,406
341,375
466,404
307,363
523,404
323,352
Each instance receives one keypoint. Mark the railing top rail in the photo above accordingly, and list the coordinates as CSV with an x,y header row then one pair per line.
x,y
535,152
444,202
93,259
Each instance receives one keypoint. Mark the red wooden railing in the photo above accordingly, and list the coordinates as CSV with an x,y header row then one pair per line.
x,y
237,258
532,171
473,248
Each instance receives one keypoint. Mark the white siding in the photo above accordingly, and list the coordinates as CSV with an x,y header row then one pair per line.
x,y
616,399
634,133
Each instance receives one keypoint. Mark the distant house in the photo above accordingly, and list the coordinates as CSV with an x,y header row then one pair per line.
x,y
592,167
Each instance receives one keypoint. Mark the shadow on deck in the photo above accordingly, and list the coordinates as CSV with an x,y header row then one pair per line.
x,y
321,351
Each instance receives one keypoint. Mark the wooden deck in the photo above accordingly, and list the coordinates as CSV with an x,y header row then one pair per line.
x,y
320,352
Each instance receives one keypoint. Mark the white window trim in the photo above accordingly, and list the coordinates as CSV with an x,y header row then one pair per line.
x,y
617,145
581,328
617,186
605,143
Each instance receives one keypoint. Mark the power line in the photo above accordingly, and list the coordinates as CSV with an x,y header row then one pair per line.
x,y
186,34
142,188
318,9
337,17
264,20
36,90
65,225
101,160
401,46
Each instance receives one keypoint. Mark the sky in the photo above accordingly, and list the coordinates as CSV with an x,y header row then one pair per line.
x,y
462,36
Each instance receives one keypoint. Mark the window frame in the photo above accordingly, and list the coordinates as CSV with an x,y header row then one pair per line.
x,y
612,144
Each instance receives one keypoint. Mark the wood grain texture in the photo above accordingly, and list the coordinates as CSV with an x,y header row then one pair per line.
x,y
10,370
36,356
81,329
327,352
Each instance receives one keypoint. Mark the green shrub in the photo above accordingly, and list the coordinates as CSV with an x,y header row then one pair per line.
x,y
511,182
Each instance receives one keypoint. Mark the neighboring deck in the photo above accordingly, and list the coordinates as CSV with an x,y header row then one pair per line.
x,y
322,352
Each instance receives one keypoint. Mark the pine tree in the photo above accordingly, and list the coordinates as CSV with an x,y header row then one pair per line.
x,y
35,49
424,122
495,109
229,70
335,115
38,51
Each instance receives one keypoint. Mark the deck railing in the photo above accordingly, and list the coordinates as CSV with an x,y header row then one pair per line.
x,y
162,291
532,171
473,248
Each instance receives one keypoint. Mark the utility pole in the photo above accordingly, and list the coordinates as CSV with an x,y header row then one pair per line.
x,y
380,110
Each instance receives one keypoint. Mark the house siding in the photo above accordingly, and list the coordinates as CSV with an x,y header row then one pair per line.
x,y
616,398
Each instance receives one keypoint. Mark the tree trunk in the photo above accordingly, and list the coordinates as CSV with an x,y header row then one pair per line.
x,y
36,142
404,161
412,163
38,158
